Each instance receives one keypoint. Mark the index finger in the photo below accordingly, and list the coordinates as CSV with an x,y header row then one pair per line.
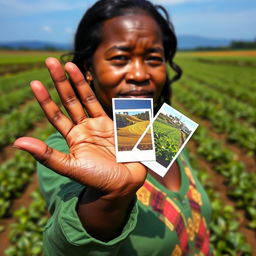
x,y
87,96
65,90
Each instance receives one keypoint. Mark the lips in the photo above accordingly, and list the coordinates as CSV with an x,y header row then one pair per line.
x,y
136,94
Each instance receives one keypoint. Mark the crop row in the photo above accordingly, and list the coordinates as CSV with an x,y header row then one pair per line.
x,y
234,76
241,183
16,172
19,121
6,69
237,82
13,99
220,119
224,227
21,80
23,57
238,109
26,233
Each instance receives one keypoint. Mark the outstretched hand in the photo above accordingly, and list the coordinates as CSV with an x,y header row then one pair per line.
x,y
90,136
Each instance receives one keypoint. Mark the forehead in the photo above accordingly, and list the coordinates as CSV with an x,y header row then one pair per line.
x,y
132,28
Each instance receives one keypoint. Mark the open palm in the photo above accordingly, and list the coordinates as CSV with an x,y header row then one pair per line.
x,y
91,160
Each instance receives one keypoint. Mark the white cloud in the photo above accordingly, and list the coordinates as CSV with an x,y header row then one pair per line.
x,y
68,30
47,29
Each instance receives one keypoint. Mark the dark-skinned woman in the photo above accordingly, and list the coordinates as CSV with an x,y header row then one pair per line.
x,y
98,206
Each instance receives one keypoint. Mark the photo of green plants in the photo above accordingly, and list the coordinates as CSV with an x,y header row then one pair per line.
x,y
168,138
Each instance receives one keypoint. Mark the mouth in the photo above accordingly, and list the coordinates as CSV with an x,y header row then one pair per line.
x,y
136,94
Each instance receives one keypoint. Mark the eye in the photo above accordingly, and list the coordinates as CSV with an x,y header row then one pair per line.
x,y
155,60
120,57
119,60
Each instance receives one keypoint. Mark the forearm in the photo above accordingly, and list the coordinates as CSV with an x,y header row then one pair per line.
x,y
103,218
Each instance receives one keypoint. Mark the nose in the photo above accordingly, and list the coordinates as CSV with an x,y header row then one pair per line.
x,y
137,73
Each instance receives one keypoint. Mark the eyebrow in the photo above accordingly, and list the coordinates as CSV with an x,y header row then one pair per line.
x,y
128,49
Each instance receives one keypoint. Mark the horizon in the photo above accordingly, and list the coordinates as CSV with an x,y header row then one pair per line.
x,y
56,21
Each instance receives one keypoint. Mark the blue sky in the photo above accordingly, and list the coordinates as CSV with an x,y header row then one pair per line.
x,y
133,104
166,109
56,20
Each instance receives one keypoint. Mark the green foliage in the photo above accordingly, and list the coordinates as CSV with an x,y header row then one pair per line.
x,y
122,121
14,57
16,173
241,183
225,96
143,116
222,121
26,232
18,122
21,80
225,236
243,45
235,81
166,145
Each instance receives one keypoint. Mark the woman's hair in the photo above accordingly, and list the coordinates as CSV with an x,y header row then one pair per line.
x,y
89,34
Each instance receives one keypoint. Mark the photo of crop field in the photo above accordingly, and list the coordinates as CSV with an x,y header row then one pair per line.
x,y
130,127
169,135
167,142
218,91
146,141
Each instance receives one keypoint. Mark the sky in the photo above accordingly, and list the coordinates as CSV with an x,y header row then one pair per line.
x,y
167,110
56,20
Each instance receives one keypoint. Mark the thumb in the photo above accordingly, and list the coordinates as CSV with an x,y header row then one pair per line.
x,y
46,155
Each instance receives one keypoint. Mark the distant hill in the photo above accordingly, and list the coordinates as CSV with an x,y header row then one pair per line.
x,y
192,42
34,45
184,42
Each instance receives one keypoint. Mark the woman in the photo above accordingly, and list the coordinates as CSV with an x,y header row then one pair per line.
x,y
121,50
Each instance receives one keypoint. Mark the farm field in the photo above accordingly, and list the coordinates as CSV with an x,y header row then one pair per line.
x,y
128,136
129,129
217,90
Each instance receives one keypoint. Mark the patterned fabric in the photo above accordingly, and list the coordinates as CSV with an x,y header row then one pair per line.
x,y
191,230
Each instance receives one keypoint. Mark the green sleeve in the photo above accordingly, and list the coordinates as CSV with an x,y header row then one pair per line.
x,y
64,233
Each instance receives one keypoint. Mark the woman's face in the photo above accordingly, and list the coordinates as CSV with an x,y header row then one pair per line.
x,y
129,62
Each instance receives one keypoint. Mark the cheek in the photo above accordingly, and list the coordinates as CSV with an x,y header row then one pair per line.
x,y
160,77
105,88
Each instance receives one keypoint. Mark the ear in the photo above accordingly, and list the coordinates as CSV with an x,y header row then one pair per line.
x,y
88,73
88,76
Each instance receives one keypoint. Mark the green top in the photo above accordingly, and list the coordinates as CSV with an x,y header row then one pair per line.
x,y
161,222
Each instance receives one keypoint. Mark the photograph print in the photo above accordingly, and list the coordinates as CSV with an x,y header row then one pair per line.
x,y
132,117
172,130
